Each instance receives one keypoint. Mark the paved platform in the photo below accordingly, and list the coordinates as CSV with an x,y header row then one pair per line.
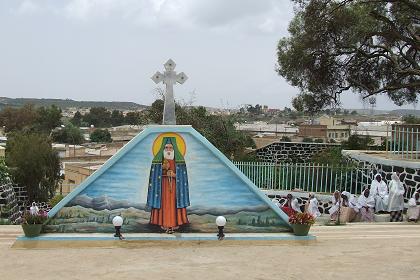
x,y
362,251
79,240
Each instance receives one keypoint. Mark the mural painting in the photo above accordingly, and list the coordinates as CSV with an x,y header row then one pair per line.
x,y
168,195
167,179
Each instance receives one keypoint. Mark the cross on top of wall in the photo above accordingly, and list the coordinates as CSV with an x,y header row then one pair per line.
x,y
169,78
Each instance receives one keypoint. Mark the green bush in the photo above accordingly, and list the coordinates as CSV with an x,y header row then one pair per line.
x,y
55,200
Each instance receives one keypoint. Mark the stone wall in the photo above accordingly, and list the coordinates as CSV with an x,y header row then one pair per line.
x,y
370,163
21,197
9,204
291,151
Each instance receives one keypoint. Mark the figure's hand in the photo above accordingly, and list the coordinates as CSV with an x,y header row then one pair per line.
x,y
171,174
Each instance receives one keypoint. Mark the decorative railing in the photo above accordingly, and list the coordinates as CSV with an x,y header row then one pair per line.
x,y
308,177
405,141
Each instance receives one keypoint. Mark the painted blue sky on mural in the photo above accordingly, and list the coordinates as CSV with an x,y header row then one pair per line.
x,y
211,183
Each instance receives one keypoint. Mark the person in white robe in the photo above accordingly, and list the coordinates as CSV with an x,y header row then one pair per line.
x,y
348,206
366,204
34,210
413,211
379,191
291,205
396,198
313,206
336,204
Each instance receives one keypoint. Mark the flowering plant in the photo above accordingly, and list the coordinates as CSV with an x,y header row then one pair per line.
x,y
302,219
36,218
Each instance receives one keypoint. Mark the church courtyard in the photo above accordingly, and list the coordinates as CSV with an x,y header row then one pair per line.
x,y
362,251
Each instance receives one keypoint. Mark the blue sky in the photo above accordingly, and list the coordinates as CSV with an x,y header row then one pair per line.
x,y
108,50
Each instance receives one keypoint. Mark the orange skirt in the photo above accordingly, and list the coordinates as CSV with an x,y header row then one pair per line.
x,y
168,216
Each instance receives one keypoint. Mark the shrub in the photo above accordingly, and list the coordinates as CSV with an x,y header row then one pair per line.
x,y
55,200
34,219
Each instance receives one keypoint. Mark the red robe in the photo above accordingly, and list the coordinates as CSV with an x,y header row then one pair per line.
x,y
168,216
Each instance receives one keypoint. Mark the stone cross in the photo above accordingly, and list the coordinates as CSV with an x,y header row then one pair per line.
x,y
169,78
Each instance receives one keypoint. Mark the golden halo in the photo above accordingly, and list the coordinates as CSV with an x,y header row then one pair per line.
x,y
179,142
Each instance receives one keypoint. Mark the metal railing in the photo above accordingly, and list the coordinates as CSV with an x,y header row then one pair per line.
x,y
405,142
308,177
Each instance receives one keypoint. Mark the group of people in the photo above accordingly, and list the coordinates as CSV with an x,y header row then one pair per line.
x,y
378,198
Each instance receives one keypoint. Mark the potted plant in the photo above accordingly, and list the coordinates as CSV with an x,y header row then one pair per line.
x,y
301,223
32,222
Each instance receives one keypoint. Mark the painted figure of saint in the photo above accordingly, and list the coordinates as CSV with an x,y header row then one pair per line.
x,y
168,193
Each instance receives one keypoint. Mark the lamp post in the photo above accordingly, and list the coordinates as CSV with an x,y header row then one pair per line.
x,y
117,221
220,222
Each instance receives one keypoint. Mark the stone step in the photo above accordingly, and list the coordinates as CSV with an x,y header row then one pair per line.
x,y
379,218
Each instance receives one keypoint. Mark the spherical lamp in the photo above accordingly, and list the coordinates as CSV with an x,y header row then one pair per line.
x,y
220,222
117,221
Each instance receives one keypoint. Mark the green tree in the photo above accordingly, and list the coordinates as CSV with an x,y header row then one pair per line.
x,y
48,118
14,119
100,136
219,130
68,134
33,164
4,173
98,116
410,119
370,47
134,118
77,119
254,110
305,103
117,118
155,112
331,156
356,142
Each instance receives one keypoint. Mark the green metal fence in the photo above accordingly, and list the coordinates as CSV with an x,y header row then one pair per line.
x,y
405,142
309,177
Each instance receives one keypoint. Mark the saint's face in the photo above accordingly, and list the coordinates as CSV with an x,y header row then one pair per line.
x,y
169,148
168,152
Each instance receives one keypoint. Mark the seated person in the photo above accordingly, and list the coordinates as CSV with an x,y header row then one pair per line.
x,y
413,211
366,204
312,206
336,203
348,207
379,192
291,205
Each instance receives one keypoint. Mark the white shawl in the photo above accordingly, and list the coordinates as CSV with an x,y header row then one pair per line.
x,y
364,201
378,188
396,194
352,201
313,208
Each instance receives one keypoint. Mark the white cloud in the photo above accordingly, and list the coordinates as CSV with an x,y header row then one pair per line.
x,y
27,7
265,16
